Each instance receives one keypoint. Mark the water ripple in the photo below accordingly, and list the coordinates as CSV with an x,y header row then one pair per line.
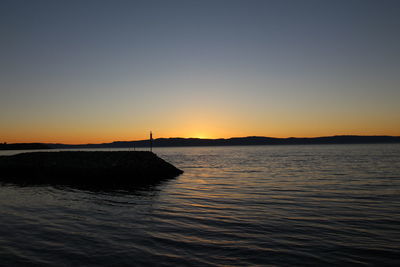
x,y
280,205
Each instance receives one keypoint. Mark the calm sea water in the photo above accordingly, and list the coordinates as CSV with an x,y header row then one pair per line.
x,y
258,205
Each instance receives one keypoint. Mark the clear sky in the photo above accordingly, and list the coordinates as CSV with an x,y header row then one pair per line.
x,y
98,71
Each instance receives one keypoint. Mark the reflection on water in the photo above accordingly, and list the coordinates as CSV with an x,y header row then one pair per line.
x,y
279,205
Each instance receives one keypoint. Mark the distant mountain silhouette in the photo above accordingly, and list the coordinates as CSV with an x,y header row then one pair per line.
x,y
24,146
235,141
240,141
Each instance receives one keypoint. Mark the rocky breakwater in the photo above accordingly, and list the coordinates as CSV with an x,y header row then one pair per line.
x,y
103,169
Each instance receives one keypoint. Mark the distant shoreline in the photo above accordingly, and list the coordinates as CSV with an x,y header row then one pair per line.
x,y
235,141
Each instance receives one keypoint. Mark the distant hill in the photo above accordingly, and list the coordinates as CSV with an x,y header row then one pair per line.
x,y
24,146
240,141
235,141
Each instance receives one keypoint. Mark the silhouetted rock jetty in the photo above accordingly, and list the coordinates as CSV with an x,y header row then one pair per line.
x,y
116,169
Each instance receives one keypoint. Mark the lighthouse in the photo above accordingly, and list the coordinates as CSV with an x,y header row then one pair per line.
x,y
151,141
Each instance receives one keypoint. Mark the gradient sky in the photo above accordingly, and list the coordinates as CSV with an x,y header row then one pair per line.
x,y
99,71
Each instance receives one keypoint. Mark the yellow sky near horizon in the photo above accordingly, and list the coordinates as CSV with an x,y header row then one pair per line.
x,y
85,136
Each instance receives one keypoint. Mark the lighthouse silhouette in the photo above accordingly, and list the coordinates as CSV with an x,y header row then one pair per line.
x,y
151,141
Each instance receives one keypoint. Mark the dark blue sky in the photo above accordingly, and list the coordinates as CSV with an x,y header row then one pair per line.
x,y
84,71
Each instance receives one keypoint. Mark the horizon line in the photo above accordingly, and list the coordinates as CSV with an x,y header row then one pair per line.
x,y
198,138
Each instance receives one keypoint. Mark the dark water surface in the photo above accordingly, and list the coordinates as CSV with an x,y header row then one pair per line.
x,y
264,205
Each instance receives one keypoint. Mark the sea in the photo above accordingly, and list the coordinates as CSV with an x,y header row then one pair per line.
x,y
289,205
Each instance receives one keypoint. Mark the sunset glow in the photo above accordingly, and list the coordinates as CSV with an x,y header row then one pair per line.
x,y
89,74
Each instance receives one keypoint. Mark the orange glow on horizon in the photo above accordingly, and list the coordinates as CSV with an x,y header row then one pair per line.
x,y
93,139
207,124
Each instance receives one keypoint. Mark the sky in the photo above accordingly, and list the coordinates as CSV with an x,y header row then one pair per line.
x,y
99,71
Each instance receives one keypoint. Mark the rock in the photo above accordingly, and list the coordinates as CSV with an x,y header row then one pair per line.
x,y
103,169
